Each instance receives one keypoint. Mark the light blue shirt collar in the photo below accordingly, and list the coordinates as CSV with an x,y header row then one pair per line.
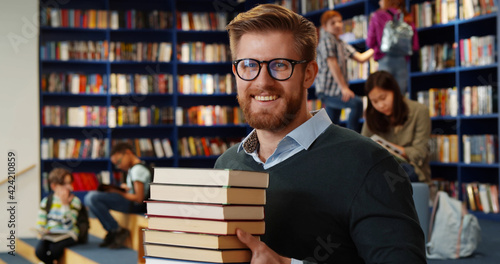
x,y
297,140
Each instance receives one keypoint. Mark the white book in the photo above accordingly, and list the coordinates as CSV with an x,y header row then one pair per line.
x,y
55,18
114,20
158,148
209,83
70,145
121,84
112,83
446,149
112,117
185,21
44,148
62,149
483,196
453,101
167,148
466,150
467,97
75,83
51,148
185,52
64,50
105,177
143,116
96,144
143,85
179,116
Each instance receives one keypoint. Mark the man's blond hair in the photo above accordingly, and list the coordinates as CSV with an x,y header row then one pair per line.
x,y
270,17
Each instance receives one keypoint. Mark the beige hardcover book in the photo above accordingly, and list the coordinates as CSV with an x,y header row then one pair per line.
x,y
204,226
193,239
206,211
211,177
198,254
206,194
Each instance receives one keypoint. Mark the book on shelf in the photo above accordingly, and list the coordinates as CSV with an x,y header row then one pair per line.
x,y
217,227
205,211
480,148
444,148
198,254
211,177
196,240
481,197
207,194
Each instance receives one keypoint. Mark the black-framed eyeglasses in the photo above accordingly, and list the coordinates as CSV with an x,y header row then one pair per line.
x,y
280,69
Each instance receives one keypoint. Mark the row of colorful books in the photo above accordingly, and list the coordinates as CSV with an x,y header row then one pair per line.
x,y
481,197
143,116
209,115
450,187
357,70
140,19
444,148
355,28
73,18
473,8
203,52
204,146
478,100
429,13
72,148
74,50
75,83
162,83
202,21
441,101
436,57
149,147
480,148
140,51
206,84
475,51
81,116
102,19
193,214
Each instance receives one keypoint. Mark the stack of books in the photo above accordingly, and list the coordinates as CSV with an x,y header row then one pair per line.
x,y
193,215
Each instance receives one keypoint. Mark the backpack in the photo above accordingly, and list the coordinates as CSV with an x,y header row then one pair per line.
x,y
397,37
453,232
151,169
82,220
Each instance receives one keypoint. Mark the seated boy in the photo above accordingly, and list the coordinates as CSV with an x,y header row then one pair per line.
x,y
61,218
130,201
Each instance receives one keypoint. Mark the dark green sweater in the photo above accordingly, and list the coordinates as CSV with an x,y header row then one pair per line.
x,y
344,200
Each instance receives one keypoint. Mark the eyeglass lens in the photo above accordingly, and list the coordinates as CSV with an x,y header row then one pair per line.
x,y
279,69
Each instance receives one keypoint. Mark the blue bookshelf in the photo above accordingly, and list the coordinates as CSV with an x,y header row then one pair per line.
x,y
460,76
106,66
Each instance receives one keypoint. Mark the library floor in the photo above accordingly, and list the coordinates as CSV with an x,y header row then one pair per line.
x,y
488,251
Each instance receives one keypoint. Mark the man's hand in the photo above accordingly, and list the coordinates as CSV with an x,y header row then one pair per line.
x,y
261,253
347,94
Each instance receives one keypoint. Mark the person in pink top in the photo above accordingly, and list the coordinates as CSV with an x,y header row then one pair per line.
x,y
396,65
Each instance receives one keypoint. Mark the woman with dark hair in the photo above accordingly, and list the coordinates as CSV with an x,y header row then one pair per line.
x,y
404,123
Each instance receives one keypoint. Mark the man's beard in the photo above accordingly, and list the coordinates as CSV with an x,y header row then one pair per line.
x,y
272,119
